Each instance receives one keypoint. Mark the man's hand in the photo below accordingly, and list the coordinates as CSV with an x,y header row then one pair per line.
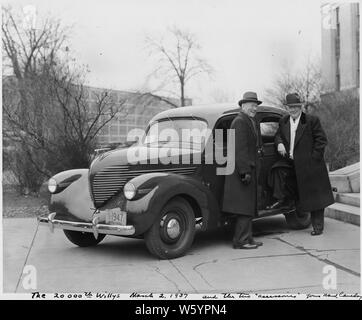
x,y
246,178
281,149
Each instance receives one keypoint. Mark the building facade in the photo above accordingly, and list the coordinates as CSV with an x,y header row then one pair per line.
x,y
340,47
135,111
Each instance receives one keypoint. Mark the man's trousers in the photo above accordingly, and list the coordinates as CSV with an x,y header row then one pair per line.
x,y
317,217
284,185
243,230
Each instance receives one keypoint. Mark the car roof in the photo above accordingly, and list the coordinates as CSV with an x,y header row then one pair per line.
x,y
210,112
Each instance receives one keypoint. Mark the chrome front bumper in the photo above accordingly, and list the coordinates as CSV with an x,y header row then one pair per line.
x,y
95,226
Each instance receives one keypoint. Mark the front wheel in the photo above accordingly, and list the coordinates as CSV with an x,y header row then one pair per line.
x,y
172,233
83,239
298,220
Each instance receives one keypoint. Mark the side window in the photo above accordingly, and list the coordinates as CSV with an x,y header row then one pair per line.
x,y
268,128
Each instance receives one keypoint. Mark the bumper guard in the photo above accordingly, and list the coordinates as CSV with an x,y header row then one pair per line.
x,y
95,226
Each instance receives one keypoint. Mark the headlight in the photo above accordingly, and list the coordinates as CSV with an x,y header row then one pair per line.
x,y
52,185
129,191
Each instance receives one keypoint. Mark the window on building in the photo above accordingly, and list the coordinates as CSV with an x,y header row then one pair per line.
x,y
123,130
104,131
357,46
337,50
103,139
357,82
114,129
338,82
338,35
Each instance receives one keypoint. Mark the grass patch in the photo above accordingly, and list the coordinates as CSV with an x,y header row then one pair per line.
x,y
24,206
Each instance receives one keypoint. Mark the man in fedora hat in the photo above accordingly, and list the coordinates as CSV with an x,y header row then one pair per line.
x,y
301,141
240,191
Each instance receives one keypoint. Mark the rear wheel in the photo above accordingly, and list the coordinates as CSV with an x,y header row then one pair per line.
x,y
298,220
172,233
83,239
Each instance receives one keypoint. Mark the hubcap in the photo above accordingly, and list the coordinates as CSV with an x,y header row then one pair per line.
x,y
173,228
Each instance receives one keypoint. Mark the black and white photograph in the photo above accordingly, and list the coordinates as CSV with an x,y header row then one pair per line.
x,y
193,149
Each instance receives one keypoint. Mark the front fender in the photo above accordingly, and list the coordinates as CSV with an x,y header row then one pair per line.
x,y
142,212
74,202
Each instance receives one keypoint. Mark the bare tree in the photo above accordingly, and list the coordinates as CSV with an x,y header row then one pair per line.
x,y
46,107
29,51
338,112
178,59
306,82
28,48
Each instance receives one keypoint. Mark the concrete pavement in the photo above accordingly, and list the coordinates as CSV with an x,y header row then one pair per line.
x,y
288,262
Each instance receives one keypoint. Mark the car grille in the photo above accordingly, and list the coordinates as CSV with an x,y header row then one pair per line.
x,y
110,181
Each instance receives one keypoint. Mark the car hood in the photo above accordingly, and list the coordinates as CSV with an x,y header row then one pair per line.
x,y
110,171
143,155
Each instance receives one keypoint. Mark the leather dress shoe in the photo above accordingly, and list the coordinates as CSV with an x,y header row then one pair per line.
x,y
245,246
258,243
316,233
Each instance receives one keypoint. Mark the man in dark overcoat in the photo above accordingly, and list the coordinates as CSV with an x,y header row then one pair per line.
x,y
301,139
240,191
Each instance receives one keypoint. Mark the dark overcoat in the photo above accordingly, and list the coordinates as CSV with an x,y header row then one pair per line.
x,y
314,188
240,198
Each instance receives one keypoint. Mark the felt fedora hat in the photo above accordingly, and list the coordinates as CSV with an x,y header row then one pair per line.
x,y
293,99
249,97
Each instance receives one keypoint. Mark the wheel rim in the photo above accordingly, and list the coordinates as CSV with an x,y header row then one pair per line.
x,y
172,226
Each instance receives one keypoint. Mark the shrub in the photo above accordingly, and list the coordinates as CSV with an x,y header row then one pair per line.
x,y
24,172
339,114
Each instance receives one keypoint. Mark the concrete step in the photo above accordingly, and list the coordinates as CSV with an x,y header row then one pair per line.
x,y
352,199
354,181
344,212
347,170
340,183
347,179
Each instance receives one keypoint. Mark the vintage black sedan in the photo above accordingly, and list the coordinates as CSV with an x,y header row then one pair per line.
x,y
139,192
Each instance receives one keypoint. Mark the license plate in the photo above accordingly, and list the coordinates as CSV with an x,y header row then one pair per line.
x,y
116,216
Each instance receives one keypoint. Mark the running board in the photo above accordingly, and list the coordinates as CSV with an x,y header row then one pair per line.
x,y
272,212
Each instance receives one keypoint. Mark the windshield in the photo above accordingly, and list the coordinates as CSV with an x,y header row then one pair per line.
x,y
179,133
